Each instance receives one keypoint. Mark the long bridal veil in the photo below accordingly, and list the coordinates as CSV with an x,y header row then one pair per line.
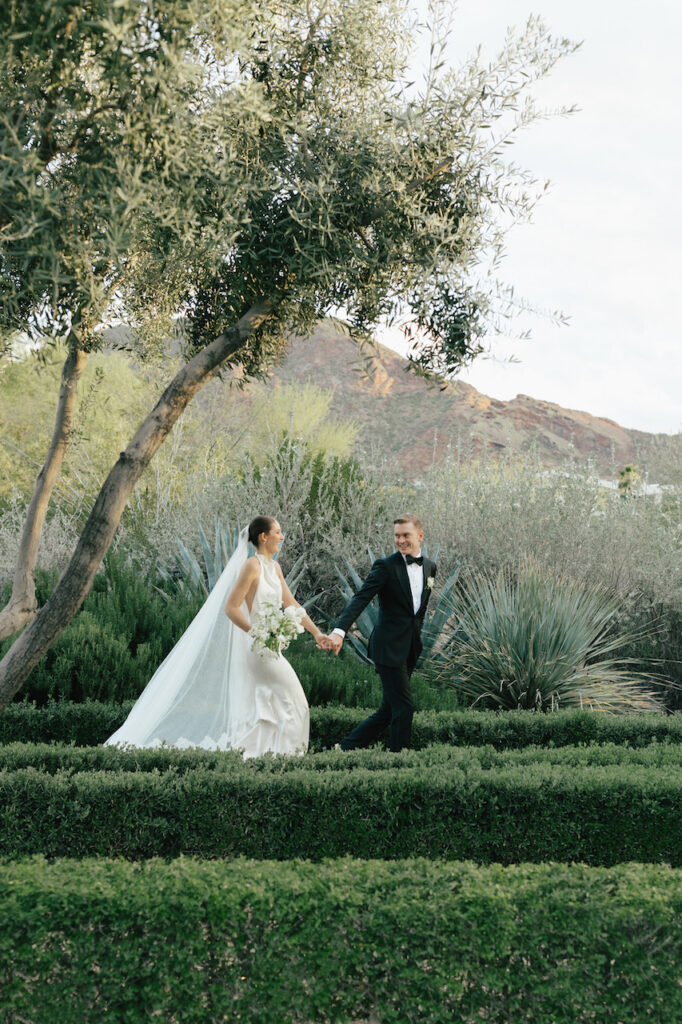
x,y
199,695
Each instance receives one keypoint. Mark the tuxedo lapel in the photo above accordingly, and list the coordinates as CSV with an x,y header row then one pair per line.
x,y
403,579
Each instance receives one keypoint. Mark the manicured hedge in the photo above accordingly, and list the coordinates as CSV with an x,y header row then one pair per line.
x,y
90,723
86,724
532,812
411,942
55,757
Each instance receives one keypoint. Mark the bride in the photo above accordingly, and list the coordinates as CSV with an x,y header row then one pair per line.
x,y
213,690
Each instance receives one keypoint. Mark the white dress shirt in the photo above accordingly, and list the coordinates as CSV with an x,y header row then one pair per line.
x,y
415,574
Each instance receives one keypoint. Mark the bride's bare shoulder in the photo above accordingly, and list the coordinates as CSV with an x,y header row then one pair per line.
x,y
250,568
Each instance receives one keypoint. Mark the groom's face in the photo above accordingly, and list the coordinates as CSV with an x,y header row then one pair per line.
x,y
408,539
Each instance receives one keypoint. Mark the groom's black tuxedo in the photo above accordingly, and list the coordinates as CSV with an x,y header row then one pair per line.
x,y
394,646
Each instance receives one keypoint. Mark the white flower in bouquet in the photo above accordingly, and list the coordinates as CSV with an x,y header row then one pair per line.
x,y
274,628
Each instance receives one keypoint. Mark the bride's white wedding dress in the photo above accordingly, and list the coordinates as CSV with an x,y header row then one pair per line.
x,y
280,720
213,691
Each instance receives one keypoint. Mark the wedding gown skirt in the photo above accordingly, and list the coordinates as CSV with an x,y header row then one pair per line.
x,y
213,691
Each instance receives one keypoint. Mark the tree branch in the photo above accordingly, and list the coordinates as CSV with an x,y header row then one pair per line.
x,y
440,169
103,521
22,605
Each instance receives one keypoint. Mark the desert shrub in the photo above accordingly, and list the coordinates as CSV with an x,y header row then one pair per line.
x,y
326,504
486,515
58,540
113,645
530,641
492,515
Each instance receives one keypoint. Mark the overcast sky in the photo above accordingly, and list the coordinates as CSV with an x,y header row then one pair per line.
x,y
605,243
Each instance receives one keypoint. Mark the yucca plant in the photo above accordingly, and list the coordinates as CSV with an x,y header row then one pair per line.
x,y
437,614
524,640
194,580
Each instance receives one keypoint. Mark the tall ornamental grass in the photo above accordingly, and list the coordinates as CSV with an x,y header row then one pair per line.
x,y
532,641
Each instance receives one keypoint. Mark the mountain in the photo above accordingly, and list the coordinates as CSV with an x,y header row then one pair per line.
x,y
413,424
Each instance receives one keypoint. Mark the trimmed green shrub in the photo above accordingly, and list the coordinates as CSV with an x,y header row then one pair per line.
x,y
411,942
53,757
85,723
90,723
535,812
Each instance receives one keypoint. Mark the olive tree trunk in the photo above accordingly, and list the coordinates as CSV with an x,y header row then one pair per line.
x,y
103,521
22,605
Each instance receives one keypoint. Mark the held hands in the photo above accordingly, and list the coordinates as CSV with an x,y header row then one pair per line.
x,y
329,643
335,643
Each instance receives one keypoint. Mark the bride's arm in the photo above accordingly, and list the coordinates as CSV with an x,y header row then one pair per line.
x,y
238,594
288,600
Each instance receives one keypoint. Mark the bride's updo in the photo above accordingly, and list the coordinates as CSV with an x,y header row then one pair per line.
x,y
261,524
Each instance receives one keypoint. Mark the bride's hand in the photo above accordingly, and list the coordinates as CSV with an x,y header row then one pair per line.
x,y
324,642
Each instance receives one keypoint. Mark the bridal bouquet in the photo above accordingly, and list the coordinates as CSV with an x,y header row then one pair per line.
x,y
274,628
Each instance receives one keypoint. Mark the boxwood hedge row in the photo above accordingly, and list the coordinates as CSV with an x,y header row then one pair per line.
x,y
90,723
533,812
55,757
410,942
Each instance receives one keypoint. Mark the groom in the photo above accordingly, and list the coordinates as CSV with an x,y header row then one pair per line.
x,y
402,582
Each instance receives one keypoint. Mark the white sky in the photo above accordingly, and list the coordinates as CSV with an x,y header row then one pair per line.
x,y
605,243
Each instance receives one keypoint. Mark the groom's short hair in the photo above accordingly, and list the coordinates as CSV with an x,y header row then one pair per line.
x,y
408,517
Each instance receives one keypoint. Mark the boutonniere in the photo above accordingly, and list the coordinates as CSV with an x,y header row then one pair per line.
x,y
429,582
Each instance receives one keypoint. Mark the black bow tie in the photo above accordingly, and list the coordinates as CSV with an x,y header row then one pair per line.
x,y
411,560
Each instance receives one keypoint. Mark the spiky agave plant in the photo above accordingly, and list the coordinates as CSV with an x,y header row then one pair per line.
x,y
524,640
194,580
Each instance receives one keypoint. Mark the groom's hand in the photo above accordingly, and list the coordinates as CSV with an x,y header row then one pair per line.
x,y
335,642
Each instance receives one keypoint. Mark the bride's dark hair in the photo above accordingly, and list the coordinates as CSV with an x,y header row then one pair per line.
x,y
258,525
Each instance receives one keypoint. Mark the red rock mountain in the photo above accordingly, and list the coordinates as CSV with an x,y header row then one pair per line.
x,y
413,423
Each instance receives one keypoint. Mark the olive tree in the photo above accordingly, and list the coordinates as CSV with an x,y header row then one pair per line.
x,y
243,168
